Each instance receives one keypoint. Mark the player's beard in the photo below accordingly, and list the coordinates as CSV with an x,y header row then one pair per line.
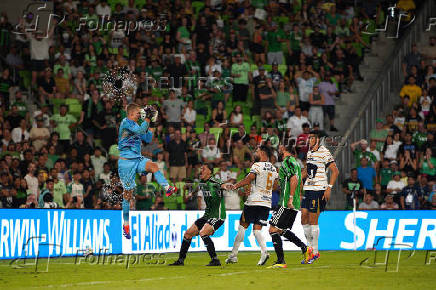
x,y
280,156
256,158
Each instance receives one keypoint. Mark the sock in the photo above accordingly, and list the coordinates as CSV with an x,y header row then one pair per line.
x,y
186,243
126,208
210,246
308,233
260,240
238,240
278,247
315,235
160,178
294,239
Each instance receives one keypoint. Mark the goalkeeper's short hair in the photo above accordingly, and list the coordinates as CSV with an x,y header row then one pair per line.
x,y
132,106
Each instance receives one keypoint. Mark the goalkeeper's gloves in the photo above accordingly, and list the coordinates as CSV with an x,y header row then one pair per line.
x,y
151,113
143,114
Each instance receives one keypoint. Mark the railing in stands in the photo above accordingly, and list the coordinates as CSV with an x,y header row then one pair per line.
x,y
378,99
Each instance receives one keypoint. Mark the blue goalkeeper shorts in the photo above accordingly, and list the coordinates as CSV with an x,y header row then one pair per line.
x,y
127,170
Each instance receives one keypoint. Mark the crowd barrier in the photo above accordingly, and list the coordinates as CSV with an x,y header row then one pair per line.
x,y
27,233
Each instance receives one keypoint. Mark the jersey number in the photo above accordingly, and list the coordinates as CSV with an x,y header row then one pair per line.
x,y
311,170
269,182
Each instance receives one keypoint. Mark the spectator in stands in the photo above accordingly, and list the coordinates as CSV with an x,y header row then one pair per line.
x,y
369,203
241,78
362,152
329,90
189,114
408,162
379,134
177,157
63,123
366,174
39,135
219,115
353,188
173,108
144,197
211,153
427,164
395,186
411,90
32,180
306,81
20,134
295,123
411,59
231,197
76,191
106,174
317,101
389,203
411,195
236,117
241,154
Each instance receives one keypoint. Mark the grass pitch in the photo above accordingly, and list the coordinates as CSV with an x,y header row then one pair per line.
x,y
339,270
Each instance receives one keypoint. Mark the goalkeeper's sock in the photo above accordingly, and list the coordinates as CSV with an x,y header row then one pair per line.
x,y
238,240
315,235
186,243
293,238
260,240
126,209
278,247
308,233
160,178
210,246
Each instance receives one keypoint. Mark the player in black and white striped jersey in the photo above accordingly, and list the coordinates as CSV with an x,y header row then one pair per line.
x,y
317,189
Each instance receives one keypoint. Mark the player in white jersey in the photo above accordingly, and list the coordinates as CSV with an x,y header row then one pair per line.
x,y
263,178
317,189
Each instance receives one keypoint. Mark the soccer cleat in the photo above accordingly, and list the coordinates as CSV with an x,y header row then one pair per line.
x,y
307,256
177,263
277,265
170,190
126,231
263,258
315,257
232,259
214,263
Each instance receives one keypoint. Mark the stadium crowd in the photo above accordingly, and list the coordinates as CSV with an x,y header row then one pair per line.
x,y
396,167
240,73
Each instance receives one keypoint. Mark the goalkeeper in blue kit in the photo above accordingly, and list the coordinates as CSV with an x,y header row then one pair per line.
x,y
131,135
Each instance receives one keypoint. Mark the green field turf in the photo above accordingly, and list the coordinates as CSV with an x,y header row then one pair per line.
x,y
341,270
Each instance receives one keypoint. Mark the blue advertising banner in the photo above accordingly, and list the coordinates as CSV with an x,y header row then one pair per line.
x,y
28,232
44,232
388,229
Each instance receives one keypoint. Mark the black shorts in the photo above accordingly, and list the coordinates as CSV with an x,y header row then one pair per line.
x,y
255,214
313,201
283,218
214,222
305,106
329,110
38,65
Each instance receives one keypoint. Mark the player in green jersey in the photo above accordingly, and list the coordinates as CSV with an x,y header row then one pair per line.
x,y
213,218
283,218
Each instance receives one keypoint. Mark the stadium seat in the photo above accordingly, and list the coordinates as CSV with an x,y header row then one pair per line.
x,y
267,67
71,101
199,130
282,69
183,130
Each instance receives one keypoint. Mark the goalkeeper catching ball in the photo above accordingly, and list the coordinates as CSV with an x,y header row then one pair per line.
x,y
131,135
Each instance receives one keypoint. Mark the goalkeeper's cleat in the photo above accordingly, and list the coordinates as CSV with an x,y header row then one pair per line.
x,y
214,262
232,259
278,265
307,256
179,262
170,190
263,258
126,231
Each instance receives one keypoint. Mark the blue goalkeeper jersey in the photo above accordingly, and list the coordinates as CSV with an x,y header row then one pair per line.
x,y
130,137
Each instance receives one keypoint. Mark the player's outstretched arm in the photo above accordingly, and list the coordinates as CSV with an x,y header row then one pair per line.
x,y
247,180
